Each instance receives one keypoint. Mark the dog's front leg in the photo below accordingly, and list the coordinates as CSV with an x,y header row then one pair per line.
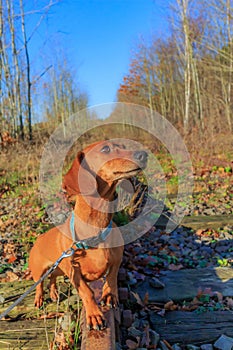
x,y
110,290
94,316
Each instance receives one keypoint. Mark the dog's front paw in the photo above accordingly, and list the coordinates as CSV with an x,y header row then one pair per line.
x,y
38,300
94,318
54,293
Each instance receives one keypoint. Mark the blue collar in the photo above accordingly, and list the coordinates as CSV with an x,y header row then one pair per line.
x,y
91,242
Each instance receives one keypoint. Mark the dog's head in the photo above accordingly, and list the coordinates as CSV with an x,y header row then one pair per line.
x,y
102,164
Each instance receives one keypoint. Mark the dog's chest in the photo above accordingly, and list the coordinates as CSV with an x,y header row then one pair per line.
x,y
94,263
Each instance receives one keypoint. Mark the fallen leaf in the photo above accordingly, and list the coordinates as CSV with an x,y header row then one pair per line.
x,y
168,345
9,248
11,259
145,341
170,306
11,276
60,341
204,295
51,315
132,344
174,267
146,299
199,232
138,299
161,313
1,223
27,275
229,302
195,301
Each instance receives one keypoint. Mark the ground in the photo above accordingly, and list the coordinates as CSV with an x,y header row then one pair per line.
x,y
203,241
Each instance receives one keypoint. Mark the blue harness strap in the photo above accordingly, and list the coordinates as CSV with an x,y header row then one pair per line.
x,y
91,242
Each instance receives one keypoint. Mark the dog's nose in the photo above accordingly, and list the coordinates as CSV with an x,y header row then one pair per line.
x,y
140,156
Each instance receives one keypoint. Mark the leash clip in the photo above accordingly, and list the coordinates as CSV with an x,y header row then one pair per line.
x,y
69,252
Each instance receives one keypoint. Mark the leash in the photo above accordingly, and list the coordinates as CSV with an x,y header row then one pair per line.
x,y
82,244
65,254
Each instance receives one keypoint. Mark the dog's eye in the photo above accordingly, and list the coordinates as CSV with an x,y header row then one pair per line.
x,y
105,149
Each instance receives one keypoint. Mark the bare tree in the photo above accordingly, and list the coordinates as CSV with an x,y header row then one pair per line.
x,y
188,76
15,65
186,51
219,43
17,75
64,98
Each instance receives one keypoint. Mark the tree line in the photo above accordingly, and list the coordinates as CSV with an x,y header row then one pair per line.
x,y
187,76
31,92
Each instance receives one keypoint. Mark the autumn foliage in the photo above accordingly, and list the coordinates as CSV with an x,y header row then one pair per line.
x,y
188,75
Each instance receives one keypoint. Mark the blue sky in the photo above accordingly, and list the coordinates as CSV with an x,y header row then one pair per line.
x,y
100,36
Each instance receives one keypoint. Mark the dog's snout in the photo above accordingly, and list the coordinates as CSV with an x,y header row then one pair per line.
x,y
140,156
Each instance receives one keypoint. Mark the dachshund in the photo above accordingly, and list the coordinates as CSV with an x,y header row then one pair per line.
x,y
91,181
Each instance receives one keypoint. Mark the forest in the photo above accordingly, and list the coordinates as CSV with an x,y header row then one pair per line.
x,y
186,76
30,93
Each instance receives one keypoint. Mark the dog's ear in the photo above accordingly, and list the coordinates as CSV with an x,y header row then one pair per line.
x,y
79,178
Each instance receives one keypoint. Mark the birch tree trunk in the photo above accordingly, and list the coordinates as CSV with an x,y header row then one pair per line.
x,y
229,20
28,71
17,89
183,9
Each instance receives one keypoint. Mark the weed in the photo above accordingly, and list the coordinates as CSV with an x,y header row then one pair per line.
x,y
222,262
121,218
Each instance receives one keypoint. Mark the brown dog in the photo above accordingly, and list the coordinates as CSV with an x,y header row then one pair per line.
x,y
92,179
